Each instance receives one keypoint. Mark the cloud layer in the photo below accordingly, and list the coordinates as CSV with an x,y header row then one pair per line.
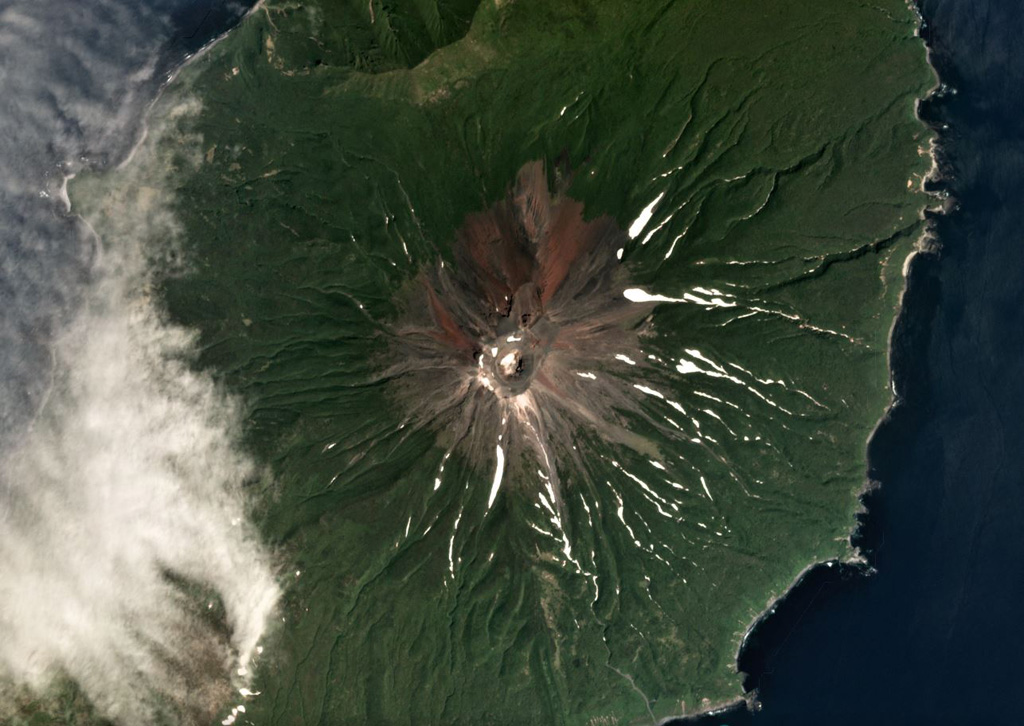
x,y
127,561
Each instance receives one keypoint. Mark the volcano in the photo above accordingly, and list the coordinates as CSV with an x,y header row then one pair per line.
x,y
518,344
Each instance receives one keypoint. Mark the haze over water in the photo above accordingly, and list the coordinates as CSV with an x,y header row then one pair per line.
x,y
120,502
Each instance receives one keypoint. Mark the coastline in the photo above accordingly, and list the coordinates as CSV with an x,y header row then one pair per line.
x,y
65,188
859,561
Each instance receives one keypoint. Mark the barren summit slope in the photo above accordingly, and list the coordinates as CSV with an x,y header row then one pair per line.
x,y
764,164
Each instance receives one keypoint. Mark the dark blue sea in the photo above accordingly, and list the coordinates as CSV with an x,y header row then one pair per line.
x,y
934,635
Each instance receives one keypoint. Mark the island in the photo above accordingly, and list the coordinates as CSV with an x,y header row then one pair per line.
x,y
669,235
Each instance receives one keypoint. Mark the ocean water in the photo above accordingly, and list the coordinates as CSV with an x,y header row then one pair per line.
x,y
933,637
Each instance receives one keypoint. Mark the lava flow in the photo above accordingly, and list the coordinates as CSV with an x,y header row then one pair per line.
x,y
511,349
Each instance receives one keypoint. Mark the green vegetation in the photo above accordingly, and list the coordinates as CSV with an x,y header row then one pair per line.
x,y
338,147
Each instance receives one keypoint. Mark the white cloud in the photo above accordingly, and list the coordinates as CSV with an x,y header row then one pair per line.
x,y
132,471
